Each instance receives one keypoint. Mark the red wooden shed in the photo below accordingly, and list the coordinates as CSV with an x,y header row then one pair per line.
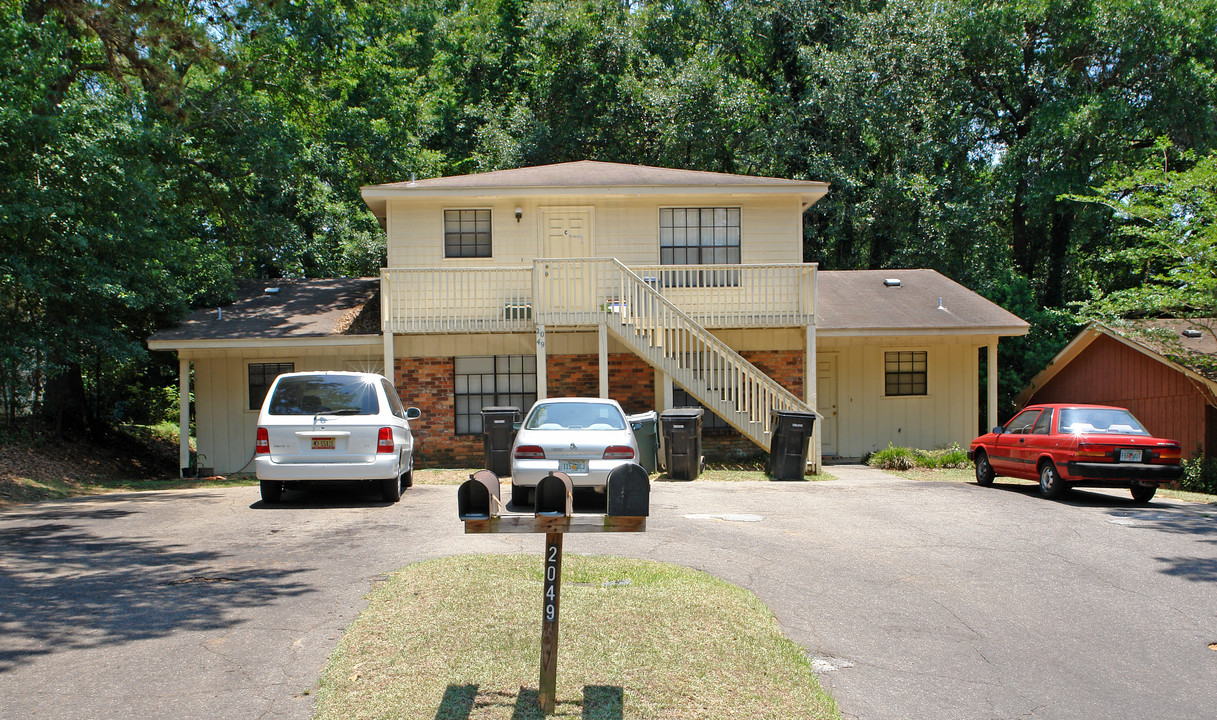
x,y
1161,370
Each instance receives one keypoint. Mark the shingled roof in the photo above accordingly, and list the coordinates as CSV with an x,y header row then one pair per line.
x,y
851,302
591,177
897,302
283,309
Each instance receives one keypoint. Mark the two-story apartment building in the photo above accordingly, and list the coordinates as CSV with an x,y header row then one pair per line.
x,y
657,287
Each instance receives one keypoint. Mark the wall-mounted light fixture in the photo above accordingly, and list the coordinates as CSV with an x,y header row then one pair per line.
x,y
519,213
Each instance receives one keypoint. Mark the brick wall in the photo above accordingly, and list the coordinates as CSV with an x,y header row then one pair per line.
x,y
428,384
728,445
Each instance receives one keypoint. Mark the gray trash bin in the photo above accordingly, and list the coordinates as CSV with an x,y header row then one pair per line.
x,y
498,433
646,431
681,429
788,440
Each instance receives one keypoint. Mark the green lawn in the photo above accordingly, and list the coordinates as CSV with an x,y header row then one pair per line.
x,y
459,638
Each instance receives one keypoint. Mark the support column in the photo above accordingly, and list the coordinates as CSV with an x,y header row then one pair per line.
x,y
992,361
811,394
390,360
542,382
604,369
183,380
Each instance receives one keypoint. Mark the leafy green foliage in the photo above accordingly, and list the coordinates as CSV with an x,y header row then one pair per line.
x,y
154,151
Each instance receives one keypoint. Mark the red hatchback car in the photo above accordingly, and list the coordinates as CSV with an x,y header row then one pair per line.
x,y
1063,446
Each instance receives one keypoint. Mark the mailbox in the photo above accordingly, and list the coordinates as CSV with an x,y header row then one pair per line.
x,y
629,491
555,495
478,497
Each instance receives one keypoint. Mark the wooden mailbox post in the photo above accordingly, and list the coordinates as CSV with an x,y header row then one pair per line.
x,y
628,504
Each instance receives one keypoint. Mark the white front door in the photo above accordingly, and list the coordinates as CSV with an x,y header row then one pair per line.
x,y
567,233
826,398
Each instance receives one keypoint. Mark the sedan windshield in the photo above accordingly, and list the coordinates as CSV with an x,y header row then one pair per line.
x,y
324,395
576,416
1111,421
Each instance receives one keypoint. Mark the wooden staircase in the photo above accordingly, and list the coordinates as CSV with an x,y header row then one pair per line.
x,y
633,310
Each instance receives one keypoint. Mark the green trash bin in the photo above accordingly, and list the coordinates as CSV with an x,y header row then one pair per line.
x,y
646,432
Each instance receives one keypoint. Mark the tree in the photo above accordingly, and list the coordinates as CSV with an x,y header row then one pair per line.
x,y
1166,264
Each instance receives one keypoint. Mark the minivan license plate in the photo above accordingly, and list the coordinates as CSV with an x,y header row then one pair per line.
x,y
572,466
1130,456
323,443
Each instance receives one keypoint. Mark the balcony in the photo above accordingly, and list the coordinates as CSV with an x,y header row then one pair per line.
x,y
581,292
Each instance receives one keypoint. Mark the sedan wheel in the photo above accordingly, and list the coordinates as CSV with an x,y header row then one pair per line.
x,y
1143,493
984,471
1051,485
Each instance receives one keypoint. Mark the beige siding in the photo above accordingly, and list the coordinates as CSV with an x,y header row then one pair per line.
x,y
622,227
224,422
868,421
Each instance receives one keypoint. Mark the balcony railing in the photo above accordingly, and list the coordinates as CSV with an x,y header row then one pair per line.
x,y
565,292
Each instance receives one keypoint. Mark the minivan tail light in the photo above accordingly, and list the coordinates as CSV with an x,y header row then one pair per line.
x,y
619,452
262,443
384,441
529,452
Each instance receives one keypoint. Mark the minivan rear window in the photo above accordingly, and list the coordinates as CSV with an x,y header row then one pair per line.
x,y
324,395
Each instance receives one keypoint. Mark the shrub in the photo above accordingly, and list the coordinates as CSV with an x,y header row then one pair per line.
x,y
902,458
1199,475
893,458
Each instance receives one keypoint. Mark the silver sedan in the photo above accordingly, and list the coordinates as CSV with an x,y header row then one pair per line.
x,y
583,437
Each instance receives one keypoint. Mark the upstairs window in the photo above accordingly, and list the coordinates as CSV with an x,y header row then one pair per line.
x,y
699,236
905,372
466,233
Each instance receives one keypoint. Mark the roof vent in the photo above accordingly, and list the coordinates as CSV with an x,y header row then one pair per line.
x,y
892,282
271,290
1191,333
940,305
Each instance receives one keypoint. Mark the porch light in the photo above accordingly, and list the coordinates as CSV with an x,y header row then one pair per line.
x,y
519,213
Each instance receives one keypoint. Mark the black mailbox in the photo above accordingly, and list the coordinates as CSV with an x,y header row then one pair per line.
x,y
478,497
555,495
629,491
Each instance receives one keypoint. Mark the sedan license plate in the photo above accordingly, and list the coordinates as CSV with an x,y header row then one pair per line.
x,y
572,466
1130,456
323,443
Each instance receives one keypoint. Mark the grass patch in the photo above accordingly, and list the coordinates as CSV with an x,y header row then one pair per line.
x,y
459,637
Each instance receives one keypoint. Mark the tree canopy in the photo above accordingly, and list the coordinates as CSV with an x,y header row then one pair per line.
x,y
156,150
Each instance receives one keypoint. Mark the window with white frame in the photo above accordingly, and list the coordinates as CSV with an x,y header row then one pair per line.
x,y
490,381
699,236
466,233
905,372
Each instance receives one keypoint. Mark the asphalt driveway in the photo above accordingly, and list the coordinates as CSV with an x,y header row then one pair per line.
x,y
916,599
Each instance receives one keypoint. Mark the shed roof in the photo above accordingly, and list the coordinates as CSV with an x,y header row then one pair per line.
x,y
1189,345
900,302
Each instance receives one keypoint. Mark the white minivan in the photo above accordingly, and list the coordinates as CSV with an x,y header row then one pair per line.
x,y
334,426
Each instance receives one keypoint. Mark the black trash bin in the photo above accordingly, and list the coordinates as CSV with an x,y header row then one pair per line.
x,y
498,433
681,428
788,440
